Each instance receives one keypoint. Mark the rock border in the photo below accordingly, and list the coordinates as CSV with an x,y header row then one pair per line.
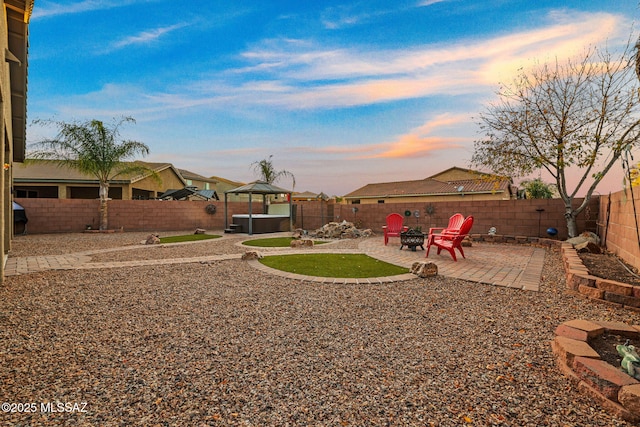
x,y
615,390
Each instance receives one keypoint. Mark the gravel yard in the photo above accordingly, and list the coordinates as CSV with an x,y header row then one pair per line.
x,y
223,344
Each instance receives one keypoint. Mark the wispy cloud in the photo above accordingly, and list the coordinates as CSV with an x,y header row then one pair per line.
x,y
431,2
144,37
297,75
49,9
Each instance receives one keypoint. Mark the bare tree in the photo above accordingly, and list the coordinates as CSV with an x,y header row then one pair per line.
x,y
578,117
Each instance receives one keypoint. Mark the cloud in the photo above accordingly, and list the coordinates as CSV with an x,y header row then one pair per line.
x,y
145,37
431,2
423,141
297,75
49,9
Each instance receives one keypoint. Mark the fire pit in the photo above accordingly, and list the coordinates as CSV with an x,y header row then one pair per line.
x,y
412,239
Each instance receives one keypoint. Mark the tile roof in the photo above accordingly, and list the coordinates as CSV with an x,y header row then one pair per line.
x,y
194,176
54,171
429,187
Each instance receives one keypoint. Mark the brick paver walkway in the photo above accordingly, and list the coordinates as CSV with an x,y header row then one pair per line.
x,y
513,266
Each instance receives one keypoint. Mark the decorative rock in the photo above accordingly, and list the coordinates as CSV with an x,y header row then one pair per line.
x,y
152,239
341,230
424,269
301,243
200,231
251,255
587,236
588,247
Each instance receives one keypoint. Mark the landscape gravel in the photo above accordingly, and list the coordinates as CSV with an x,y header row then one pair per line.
x,y
221,343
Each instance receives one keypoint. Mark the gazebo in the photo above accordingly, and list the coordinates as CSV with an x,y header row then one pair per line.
x,y
257,187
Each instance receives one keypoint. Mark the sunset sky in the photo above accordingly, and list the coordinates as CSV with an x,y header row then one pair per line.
x,y
341,93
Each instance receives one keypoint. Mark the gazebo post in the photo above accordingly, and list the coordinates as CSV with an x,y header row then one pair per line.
x,y
250,220
226,214
290,212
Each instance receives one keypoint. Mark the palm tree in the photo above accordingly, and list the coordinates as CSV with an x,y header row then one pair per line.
x,y
267,172
91,147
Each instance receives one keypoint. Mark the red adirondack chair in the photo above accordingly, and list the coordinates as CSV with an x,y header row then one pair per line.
x,y
394,227
455,222
451,240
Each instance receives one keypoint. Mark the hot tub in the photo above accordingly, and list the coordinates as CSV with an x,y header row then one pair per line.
x,y
261,223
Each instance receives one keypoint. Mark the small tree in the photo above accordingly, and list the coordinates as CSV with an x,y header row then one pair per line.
x,y
92,148
578,116
537,189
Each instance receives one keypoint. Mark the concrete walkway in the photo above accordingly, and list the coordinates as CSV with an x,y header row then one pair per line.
x,y
508,265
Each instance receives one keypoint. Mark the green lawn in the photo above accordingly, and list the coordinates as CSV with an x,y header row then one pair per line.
x,y
333,265
188,238
274,242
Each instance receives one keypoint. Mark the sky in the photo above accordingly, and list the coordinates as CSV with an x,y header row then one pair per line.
x,y
340,93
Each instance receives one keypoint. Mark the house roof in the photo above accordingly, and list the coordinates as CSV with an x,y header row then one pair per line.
x,y
226,181
54,171
430,187
305,195
194,176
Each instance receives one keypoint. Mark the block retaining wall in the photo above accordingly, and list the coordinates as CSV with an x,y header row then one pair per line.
x,y
612,388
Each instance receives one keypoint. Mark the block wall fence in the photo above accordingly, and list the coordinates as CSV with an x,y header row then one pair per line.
x,y
618,224
510,217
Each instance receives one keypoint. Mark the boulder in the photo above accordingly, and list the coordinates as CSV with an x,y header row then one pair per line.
x,y
200,231
301,243
340,230
588,247
152,239
424,269
251,255
587,236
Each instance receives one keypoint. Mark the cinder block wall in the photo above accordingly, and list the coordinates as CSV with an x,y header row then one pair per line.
x,y
617,226
74,215
509,217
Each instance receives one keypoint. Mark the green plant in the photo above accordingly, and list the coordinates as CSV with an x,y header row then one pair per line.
x,y
94,149
333,265
188,238
274,242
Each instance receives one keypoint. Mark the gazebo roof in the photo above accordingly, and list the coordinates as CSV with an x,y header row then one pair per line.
x,y
259,187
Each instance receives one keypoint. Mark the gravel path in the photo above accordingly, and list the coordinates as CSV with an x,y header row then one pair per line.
x,y
224,344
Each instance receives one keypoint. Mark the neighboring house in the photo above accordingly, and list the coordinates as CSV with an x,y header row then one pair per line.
x,y
50,180
198,181
14,45
223,185
307,196
444,186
